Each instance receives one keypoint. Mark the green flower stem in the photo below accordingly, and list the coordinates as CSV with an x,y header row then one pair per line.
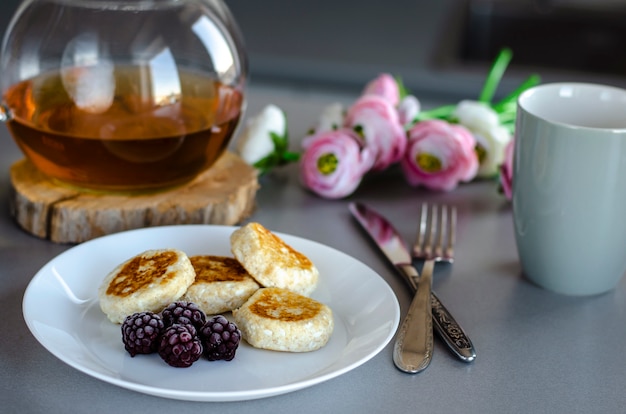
x,y
441,112
511,99
495,75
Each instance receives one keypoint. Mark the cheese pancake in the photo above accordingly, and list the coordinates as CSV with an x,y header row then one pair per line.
x,y
271,261
147,282
221,285
281,320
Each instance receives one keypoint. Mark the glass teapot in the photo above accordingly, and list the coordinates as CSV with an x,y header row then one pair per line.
x,y
120,95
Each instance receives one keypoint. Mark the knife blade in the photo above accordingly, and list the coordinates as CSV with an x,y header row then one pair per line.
x,y
446,327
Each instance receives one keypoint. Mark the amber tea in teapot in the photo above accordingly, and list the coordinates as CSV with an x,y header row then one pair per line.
x,y
121,139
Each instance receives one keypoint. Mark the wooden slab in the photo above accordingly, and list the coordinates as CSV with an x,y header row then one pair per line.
x,y
224,194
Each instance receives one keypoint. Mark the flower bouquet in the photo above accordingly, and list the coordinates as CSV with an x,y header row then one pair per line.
x,y
437,149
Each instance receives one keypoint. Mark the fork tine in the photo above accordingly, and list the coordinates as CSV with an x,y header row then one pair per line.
x,y
441,231
421,232
449,251
436,235
429,248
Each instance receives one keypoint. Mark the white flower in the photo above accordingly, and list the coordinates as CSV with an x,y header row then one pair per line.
x,y
408,108
331,118
475,115
255,141
491,137
492,142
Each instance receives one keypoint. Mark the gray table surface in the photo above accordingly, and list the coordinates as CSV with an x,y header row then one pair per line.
x,y
537,351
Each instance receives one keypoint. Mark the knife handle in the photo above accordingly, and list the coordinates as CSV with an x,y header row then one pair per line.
x,y
447,327
450,331
413,348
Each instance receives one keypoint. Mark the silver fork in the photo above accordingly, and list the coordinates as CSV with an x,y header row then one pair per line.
x,y
442,226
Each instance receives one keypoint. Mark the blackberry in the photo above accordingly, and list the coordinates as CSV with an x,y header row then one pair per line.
x,y
140,333
180,346
183,312
220,338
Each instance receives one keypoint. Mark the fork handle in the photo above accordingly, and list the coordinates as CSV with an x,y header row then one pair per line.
x,y
450,331
413,348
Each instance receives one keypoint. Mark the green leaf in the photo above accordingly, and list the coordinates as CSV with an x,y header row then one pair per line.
x,y
264,165
280,142
280,156
291,156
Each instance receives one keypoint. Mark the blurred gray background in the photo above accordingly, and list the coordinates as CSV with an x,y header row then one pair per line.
x,y
442,49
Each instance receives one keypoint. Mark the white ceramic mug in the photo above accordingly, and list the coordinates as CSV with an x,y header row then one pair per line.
x,y
569,186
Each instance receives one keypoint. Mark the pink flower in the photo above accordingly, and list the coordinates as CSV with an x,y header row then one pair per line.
x,y
377,122
506,170
334,162
439,155
385,86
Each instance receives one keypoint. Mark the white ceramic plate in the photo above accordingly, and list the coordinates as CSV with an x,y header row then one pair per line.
x,y
365,308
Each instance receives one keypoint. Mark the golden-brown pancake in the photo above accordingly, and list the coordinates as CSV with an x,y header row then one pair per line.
x,y
282,320
146,282
221,284
271,261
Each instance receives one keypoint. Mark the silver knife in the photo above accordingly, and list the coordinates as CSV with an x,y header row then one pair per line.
x,y
445,325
